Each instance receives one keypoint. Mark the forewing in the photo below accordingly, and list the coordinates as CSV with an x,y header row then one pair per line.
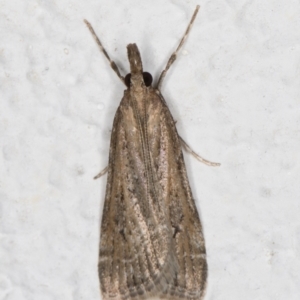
x,y
187,238
135,238
151,236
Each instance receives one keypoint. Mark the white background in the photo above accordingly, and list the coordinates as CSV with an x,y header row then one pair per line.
x,y
235,93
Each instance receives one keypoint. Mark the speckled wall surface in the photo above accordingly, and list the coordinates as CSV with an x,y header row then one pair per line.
x,y
235,93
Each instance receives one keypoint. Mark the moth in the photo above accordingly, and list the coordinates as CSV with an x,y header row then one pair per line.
x,y
152,244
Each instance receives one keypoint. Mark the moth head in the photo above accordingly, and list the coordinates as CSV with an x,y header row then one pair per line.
x,y
137,77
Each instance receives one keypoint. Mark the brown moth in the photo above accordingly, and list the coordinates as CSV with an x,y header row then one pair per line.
x,y
152,245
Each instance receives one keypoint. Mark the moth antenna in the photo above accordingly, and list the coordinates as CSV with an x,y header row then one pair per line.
x,y
174,55
112,63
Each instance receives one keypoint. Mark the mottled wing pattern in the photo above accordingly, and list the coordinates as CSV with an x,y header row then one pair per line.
x,y
151,236
188,241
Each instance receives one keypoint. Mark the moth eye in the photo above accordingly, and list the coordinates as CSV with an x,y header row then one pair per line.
x,y
147,78
127,80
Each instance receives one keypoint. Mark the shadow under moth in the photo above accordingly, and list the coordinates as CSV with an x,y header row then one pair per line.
x,y
152,245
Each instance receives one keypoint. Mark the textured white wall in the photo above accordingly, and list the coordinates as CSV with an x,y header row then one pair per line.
x,y
235,92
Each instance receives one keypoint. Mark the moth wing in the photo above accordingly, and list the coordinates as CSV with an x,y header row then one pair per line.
x,y
134,259
151,236
188,244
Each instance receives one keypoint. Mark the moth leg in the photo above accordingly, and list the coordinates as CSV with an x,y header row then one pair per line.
x,y
101,173
112,63
174,55
189,150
